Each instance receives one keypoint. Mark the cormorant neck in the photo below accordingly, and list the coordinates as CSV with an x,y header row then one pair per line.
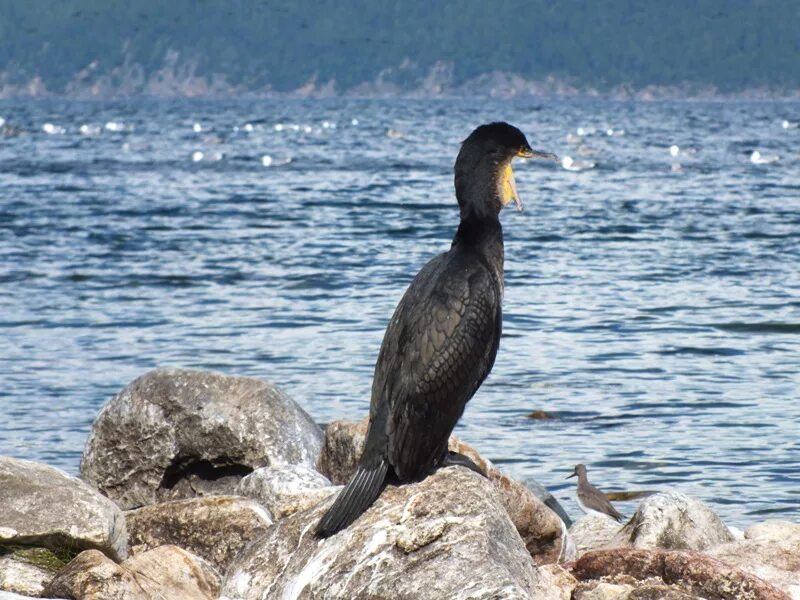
x,y
478,188
480,231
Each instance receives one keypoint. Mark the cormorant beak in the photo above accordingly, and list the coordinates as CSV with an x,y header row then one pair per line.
x,y
529,152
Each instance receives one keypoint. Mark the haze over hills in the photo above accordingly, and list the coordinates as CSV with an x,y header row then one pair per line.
x,y
202,47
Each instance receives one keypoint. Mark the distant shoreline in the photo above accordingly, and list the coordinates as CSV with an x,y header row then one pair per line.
x,y
499,85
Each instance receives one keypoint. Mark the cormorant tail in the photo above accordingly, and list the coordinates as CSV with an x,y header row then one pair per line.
x,y
363,489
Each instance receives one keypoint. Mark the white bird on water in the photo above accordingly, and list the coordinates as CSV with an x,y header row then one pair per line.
x,y
763,159
676,150
269,161
116,126
51,129
87,129
568,163
788,124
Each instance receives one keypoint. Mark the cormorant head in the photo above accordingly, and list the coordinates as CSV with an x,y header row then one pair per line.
x,y
483,176
579,470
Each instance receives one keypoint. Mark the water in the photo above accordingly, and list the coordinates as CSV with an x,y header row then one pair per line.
x,y
655,312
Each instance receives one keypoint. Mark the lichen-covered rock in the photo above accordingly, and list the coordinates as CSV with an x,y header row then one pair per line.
x,y
688,572
675,521
593,531
214,528
541,529
166,572
173,434
286,490
444,537
43,506
770,550
20,573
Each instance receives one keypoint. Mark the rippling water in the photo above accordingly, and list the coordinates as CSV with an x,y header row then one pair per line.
x,y
653,309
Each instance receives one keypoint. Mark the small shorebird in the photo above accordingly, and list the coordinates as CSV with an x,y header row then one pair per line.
x,y
592,500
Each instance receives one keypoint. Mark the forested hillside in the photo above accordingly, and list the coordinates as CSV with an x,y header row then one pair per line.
x,y
135,46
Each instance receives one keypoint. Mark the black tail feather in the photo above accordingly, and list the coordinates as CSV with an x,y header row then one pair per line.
x,y
364,487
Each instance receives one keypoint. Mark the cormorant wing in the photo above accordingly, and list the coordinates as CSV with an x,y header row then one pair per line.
x,y
438,348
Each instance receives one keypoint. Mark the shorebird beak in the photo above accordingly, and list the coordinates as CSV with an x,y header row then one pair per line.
x,y
574,473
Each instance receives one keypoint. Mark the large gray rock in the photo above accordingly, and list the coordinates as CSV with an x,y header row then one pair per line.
x,y
173,434
43,506
593,531
445,537
286,490
770,550
167,572
672,520
542,530
214,528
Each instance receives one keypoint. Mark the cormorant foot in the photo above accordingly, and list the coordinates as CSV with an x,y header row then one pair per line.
x,y
451,459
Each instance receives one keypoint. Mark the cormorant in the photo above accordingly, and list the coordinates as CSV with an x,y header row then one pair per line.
x,y
590,499
443,337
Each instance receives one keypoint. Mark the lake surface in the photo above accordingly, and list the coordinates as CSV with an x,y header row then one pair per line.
x,y
652,303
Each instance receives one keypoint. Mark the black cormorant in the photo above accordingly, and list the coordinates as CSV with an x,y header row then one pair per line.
x,y
443,337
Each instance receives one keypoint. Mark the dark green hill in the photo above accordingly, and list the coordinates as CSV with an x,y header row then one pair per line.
x,y
729,44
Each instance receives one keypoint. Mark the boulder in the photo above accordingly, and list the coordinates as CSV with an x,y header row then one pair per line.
x,y
770,550
444,537
25,571
541,529
687,572
214,528
286,490
164,572
674,521
593,531
43,506
174,434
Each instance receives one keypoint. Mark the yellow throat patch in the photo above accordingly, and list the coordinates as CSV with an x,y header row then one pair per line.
x,y
508,188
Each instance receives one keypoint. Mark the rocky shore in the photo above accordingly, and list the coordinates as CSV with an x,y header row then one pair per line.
x,y
196,485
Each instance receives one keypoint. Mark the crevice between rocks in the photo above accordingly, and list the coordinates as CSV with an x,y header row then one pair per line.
x,y
203,469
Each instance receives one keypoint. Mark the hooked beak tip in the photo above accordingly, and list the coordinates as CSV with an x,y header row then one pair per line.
x,y
531,153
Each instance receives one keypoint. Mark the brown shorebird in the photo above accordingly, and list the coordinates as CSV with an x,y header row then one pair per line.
x,y
592,500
